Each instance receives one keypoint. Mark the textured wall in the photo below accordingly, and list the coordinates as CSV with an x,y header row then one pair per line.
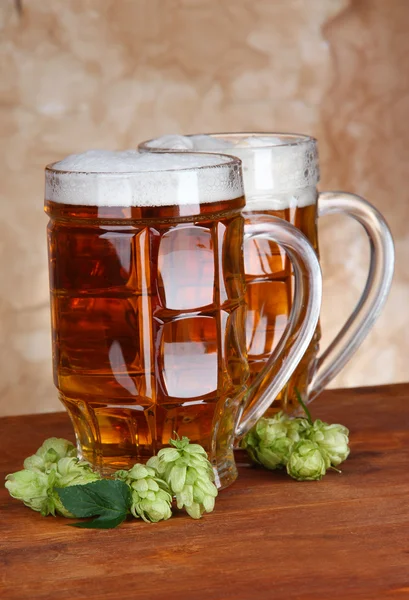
x,y
108,73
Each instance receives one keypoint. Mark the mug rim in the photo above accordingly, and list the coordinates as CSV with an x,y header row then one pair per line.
x,y
288,140
227,160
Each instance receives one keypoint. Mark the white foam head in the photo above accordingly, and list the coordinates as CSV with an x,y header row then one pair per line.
x,y
132,178
280,171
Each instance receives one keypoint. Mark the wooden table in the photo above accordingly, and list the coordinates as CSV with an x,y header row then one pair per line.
x,y
269,537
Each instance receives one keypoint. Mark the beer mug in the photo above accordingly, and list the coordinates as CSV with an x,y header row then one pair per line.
x,y
147,301
281,173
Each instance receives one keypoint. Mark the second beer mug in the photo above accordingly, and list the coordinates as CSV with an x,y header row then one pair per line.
x,y
281,173
148,308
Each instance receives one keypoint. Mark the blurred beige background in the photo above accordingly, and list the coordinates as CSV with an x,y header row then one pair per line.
x,y
80,74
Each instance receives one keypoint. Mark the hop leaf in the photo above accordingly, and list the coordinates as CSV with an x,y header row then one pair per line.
x,y
189,475
332,440
306,462
108,500
150,496
71,471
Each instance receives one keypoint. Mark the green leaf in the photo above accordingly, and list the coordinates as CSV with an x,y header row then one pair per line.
x,y
107,499
105,521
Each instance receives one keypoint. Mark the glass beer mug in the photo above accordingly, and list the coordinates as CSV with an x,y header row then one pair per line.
x,y
281,173
147,301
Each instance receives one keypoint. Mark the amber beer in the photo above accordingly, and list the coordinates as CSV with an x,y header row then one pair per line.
x,y
269,276
147,301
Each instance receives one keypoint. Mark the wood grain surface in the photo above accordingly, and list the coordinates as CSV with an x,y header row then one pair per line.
x,y
346,537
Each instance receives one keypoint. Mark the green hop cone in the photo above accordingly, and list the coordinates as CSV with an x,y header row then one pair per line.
x,y
306,462
189,474
250,443
269,430
72,471
270,441
296,428
151,498
53,465
49,453
332,440
266,442
276,454
32,488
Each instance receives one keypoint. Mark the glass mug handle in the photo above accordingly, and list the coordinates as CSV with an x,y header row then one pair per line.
x,y
376,289
303,317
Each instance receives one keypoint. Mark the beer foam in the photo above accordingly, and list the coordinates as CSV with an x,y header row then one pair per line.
x,y
280,171
261,141
173,142
200,143
132,178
